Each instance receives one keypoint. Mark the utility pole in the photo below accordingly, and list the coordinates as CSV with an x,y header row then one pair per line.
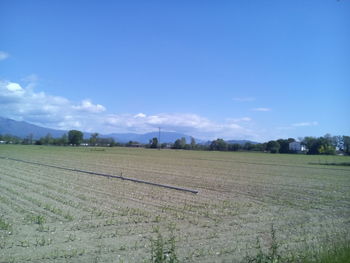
x,y
159,139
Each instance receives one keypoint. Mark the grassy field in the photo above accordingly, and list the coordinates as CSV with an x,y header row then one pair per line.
x,y
53,215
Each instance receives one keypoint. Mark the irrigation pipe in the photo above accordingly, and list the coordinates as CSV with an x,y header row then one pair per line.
x,y
105,175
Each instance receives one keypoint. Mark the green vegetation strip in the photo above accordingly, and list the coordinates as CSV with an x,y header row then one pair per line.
x,y
105,175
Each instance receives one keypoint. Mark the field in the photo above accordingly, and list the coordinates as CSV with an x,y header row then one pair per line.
x,y
54,215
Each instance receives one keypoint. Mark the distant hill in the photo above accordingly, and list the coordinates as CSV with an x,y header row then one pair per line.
x,y
22,129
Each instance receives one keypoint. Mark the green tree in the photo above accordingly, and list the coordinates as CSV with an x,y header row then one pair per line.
x,y
234,147
180,143
64,139
248,146
326,145
321,145
284,145
218,145
346,144
273,146
75,137
93,139
193,143
47,140
154,142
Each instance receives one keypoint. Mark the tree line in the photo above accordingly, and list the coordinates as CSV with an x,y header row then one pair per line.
x,y
326,144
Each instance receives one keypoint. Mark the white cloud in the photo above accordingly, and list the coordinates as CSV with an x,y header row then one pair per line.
x,y
24,103
86,105
191,124
305,124
3,55
261,109
244,99
140,115
14,87
37,107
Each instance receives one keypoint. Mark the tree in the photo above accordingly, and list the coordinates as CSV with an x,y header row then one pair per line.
x,y
346,144
47,139
284,145
247,146
273,146
193,143
321,145
326,145
234,147
112,142
154,142
64,139
75,137
218,145
180,143
93,138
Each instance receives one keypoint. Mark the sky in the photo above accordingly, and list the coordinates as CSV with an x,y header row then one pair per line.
x,y
257,70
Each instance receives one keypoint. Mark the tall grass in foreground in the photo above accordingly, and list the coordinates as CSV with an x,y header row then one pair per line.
x,y
164,251
330,252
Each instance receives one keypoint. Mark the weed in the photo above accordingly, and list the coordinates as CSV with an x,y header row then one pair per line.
x,y
271,256
163,251
328,253
39,220
122,247
157,219
4,225
68,216
71,238
23,243
42,242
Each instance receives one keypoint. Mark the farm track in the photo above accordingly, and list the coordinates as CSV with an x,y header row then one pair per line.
x,y
89,218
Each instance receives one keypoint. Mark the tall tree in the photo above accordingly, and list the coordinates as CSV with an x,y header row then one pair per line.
x,y
154,142
193,143
321,145
346,144
75,137
284,144
93,138
273,146
218,145
48,139
180,143
64,139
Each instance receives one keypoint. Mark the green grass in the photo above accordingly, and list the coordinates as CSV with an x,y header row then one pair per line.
x,y
163,250
4,225
327,252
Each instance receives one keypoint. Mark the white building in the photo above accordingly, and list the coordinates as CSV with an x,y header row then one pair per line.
x,y
296,147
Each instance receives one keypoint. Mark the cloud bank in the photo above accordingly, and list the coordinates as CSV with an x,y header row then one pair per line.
x,y
58,112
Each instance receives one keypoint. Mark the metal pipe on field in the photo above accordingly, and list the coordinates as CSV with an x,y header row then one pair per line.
x,y
105,175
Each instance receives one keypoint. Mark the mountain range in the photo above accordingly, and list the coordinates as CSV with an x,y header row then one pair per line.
x,y
22,129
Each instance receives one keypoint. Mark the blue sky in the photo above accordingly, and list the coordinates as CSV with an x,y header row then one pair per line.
x,y
254,70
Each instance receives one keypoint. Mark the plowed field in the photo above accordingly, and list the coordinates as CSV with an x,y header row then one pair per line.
x,y
54,215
